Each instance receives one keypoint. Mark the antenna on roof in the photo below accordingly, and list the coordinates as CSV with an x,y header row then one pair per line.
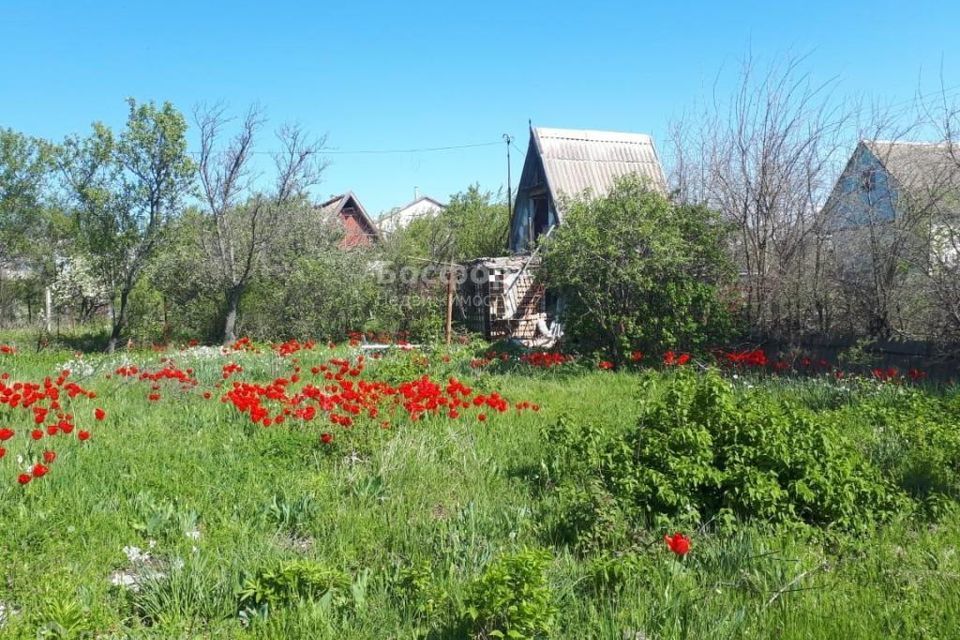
x,y
416,193
508,139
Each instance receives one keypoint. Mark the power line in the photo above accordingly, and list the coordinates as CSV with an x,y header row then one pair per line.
x,y
420,150
385,151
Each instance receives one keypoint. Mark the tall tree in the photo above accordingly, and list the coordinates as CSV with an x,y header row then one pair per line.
x,y
245,221
127,189
24,167
764,157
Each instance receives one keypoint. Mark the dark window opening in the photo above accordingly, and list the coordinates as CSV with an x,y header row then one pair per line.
x,y
541,217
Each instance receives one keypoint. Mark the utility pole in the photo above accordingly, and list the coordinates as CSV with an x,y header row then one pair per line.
x,y
508,139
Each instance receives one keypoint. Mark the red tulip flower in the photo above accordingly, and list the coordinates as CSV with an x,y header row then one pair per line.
x,y
326,438
678,543
83,436
99,413
49,456
23,478
39,470
36,434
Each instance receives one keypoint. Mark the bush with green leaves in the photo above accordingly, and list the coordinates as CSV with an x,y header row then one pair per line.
x,y
288,583
512,598
700,452
637,272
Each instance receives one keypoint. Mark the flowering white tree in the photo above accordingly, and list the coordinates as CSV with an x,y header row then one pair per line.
x,y
78,288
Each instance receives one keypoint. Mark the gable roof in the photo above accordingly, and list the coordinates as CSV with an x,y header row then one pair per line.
x,y
925,171
578,159
418,201
400,217
335,205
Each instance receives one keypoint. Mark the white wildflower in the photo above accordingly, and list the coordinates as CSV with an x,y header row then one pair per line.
x,y
136,554
124,579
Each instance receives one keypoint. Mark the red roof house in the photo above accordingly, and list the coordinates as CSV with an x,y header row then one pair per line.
x,y
360,231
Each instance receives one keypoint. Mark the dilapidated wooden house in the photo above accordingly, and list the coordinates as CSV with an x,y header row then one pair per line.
x,y
359,229
501,296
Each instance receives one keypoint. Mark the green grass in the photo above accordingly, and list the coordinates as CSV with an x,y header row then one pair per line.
x,y
408,518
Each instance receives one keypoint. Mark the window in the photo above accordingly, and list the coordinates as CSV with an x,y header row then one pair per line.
x,y
541,216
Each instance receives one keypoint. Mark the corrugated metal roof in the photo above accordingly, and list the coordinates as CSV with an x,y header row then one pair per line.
x,y
576,160
926,170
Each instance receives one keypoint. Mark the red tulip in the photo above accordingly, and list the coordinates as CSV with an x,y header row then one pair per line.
x,y
326,438
678,543
6,434
83,436
39,470
23,478
49,456
99,413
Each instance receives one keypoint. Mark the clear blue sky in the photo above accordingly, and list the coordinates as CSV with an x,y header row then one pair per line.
x,y
402,75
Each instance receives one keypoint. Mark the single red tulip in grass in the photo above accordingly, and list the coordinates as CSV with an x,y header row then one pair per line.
x,y
39,470
6,434
36,434
49,456
23,478
83,436
678,543
99,413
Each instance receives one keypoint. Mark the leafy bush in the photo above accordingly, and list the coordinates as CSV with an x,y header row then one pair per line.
x,y
512,598
289,583
419,593
636,271
700,452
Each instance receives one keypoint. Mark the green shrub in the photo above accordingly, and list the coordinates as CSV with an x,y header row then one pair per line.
x,y
512,598
637,271
699,452
289,583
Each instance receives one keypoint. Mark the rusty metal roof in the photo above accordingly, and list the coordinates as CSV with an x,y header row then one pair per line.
x,y
575,160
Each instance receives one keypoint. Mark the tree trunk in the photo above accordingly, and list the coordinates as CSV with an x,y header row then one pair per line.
x,y
230,322
119,322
